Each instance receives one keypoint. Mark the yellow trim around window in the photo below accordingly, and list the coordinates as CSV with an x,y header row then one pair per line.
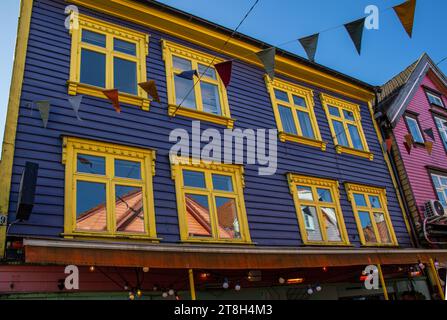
x,y
236,172
314,183
367,191
171,49
71,148
307,94
111,31
341,105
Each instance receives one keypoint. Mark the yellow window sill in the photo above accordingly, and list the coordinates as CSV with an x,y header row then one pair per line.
x,y
101,236
327,244
214,241
283,137
359,153
200,115
75,88
379,245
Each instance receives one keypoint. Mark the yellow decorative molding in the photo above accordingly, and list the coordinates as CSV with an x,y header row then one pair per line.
x,y
350,187
284,136
174,110
340,103
192,54
295,179
290,87
355,152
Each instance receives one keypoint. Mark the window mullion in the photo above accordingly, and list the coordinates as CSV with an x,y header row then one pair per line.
x,y
196,88
348,134
109,62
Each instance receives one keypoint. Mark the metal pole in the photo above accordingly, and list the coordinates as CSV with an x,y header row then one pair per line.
x,y
191,284
436,278
382,282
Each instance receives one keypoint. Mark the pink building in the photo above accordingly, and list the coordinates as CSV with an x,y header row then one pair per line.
x,y
412,111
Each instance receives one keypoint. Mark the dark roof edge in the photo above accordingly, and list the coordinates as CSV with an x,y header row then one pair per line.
x,y
253,41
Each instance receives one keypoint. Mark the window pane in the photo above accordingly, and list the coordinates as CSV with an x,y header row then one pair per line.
x,y
198,216
331,223
359,200
324,195
306,125
349,115
435,100
228,222
436,181
125,75
443,181
194,179
182,89
93,68
340,133
127,169
223,183
305,193
210,72
333,111
442,198
129,210
374,201
299,101
382,227
91,164
91,210
367,227
125,47
281,95
414,130
182,64
288,124
311,223
210,98
94,38
355,137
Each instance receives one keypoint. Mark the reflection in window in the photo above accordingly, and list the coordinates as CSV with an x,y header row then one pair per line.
x,y
331,224
127,169
442,128
94,38
415,131
312,223
228,222
183,92
382,228
125,75
210,98
288,124
194,179
91,164
93,68
91,210
125,47
223,183
198,215
440,183
129,212
368,230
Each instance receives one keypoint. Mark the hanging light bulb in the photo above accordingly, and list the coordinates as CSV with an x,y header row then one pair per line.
x,y
237,287
164,294
225,284
281,280
171,292
155,288
139,293
436,264
131,296
421,265
318,288
126,287
92,268
145,269
310,291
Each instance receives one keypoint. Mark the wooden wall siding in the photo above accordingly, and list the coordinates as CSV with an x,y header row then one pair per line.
x,y
270,208
415,163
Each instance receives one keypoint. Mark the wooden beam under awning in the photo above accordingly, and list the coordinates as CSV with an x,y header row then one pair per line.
x,y
189,256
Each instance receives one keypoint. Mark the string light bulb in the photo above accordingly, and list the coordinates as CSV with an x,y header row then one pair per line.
x,y
318,288
131,296
171,292
310,291
145,269
436,264
164,294
139,293
281,280
421,265
225,284
155,288
237,287
92,268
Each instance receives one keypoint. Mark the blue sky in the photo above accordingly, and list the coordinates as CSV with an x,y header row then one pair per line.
x,y
385,51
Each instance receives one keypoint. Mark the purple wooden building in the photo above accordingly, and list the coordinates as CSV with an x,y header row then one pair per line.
x,y
111,200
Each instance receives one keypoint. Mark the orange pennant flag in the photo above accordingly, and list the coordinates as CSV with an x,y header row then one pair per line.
x,y
429,146
407,147
151,88
113,96
409,139
389,143
405,12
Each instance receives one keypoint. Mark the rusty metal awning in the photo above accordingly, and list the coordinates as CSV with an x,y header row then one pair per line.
x,y
209,256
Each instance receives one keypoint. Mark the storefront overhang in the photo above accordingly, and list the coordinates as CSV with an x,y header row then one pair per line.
x,y
65,252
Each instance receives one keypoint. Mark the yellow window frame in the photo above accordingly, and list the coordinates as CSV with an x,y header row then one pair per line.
x,y
236,172
307,94
171,49
294,180
111,31
71,148
341,105
367,191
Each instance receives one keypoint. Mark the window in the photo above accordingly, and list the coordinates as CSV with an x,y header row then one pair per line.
x,y
294,113
442,128
371,214
210,201
203,100
440,183
414,129
107,56
346,127
318,210
434,99
108,190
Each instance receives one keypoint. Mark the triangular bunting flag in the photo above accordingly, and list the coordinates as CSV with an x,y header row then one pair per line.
x,y
75,103
409,139
267,58
429,146
407,147
310,44
405,13
224,71
389,143
151,88
429,132
188,74
355,30
44,109
384,146
113,96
